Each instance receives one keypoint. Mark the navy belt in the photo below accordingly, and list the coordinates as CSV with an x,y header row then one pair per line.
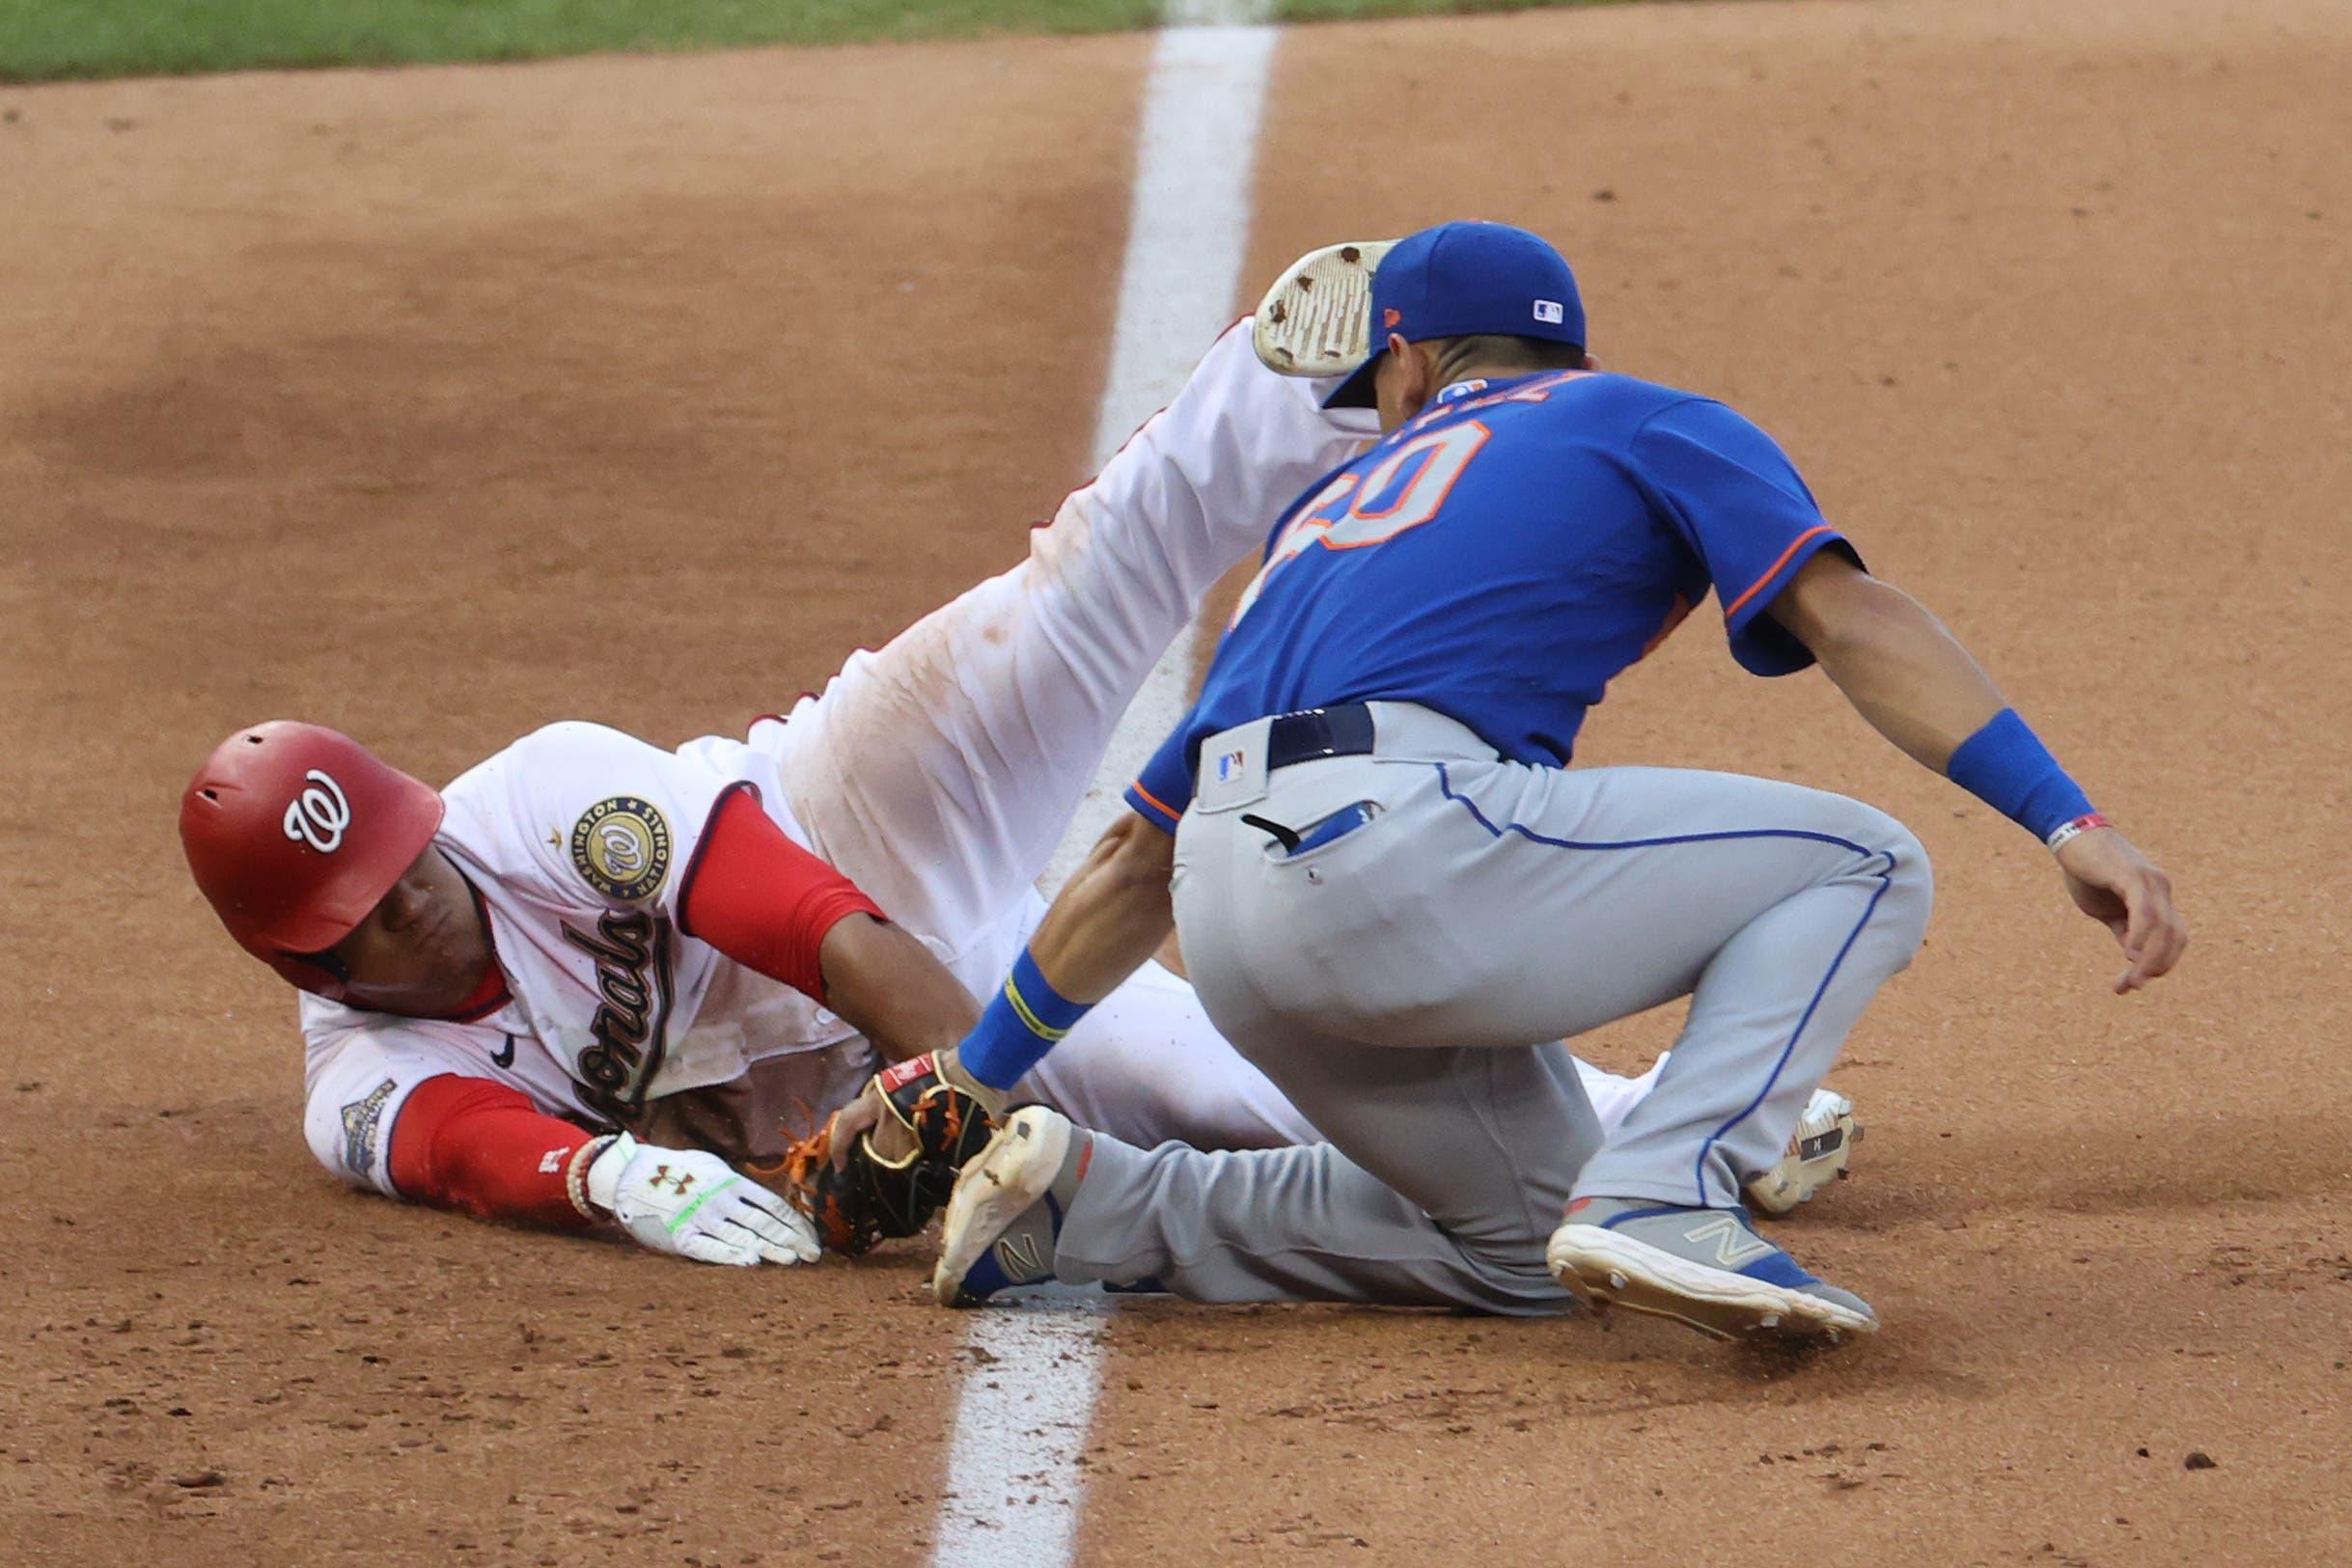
x,y
1346,730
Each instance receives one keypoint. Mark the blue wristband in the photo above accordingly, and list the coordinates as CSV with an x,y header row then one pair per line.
x,y
2009,768
1023,1022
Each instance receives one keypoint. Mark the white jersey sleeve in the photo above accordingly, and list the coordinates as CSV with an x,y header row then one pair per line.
x,y
360,1069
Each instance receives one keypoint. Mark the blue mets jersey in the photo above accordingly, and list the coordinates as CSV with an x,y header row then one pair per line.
x,y
1501,558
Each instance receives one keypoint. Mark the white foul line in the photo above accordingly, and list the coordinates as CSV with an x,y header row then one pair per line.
x,y
1014,1485
1186,228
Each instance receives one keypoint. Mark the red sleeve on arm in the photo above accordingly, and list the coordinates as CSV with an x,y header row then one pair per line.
x,y
478,1146
761,898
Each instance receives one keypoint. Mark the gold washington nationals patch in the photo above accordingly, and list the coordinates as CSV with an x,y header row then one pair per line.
x,y
622,847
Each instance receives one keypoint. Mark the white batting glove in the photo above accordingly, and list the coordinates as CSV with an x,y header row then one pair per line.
x,y
692,1205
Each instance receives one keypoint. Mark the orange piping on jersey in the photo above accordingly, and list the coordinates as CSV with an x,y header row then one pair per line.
x,y
1795,545
1157,803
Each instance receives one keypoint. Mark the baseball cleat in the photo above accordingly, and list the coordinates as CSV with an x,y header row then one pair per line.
x,y
1818,1154
1007,1208
1317,320
1706,1268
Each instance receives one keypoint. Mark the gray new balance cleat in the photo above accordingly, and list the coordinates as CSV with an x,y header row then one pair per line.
x,y
1818,1153
1005,1211
1317,320
1703,1267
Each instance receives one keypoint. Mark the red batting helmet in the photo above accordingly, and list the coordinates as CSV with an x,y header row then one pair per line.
x,y
294,832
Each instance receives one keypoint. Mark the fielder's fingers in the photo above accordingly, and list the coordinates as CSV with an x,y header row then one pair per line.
x,y
2171,941
2140,917
858,1116
2149,962
2164,939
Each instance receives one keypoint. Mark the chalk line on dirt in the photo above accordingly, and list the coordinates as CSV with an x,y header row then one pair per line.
x,y
1196,148
1014,1486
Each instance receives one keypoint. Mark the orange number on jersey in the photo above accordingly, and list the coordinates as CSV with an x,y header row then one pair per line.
x,y
1441,457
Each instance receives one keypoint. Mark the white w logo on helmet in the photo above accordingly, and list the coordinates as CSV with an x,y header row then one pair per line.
x,y
319,815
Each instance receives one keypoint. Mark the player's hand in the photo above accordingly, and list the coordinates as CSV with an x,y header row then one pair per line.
x,y
866,1114
2113,882
883,1107
694,1204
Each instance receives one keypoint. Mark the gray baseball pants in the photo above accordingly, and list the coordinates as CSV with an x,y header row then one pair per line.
x,y
1407,981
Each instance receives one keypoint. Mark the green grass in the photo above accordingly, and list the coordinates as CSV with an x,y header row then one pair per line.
x,y
52,39
47,39
1340,10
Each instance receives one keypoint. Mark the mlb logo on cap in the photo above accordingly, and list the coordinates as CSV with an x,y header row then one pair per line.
x,y
1550,309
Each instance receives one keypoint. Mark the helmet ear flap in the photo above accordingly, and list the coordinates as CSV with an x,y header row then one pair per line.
x,y
321,974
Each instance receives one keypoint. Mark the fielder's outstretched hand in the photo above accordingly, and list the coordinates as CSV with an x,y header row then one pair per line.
x,y
694,1204
2113,882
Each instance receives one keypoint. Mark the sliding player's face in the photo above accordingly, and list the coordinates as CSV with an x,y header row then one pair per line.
x,y
422,949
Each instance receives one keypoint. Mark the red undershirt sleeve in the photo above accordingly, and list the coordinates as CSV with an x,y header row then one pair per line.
x,y
761,898
479,1146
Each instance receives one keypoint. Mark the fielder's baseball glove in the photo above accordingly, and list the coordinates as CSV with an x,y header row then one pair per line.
x,y
875,1197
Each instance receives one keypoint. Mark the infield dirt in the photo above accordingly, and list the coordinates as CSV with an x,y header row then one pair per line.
x,y
436,404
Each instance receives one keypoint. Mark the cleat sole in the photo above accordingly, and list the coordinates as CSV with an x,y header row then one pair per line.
x,y
1603,1268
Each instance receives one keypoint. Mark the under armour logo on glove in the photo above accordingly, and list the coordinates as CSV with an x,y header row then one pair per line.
x,y
727,1220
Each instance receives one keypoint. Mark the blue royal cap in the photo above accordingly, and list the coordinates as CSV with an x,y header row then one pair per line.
x,y
1461,280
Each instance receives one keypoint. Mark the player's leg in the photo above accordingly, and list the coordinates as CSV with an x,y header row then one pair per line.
x,y
1444,1179
1486,903
1832,899
941,771
1148,1066
1781,910
1499,904
1489,903
1446,1167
